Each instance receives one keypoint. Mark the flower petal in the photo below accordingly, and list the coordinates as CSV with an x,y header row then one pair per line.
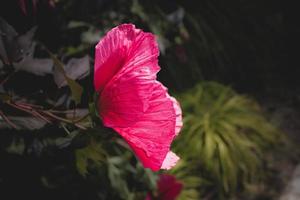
x,y
124,74
123,49
152,134
124,101
178,113
170,160
169,188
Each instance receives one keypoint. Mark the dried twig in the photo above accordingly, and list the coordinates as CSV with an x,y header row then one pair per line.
x,y
46,115
28,110
8,120
64,120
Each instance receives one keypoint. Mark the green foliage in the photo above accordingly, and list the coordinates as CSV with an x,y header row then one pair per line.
x,y
192,183
92,152
107,157
224,135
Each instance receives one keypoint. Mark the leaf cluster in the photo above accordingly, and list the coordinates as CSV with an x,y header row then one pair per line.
x,y
224,139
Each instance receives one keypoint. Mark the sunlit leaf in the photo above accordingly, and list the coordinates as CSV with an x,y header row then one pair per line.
x,y
92,152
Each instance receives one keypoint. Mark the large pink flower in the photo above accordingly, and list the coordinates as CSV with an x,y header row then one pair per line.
x,y
131,100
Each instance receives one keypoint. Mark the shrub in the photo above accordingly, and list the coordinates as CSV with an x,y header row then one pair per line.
x,y
225,136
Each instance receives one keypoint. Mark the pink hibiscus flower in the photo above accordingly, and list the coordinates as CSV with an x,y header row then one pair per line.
x,y
168,188
131,100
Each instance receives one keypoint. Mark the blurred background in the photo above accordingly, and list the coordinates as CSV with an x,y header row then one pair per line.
x,y
232,65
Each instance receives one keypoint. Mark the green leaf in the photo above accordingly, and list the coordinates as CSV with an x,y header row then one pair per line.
x,y
92,152
75,88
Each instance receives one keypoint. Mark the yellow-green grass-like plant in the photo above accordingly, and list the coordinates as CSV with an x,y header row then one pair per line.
x,y
223,140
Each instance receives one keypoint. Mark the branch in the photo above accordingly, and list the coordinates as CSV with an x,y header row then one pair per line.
x,y
46,115
8,120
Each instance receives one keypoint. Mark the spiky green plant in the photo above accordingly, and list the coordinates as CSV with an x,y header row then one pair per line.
x,y
224,136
